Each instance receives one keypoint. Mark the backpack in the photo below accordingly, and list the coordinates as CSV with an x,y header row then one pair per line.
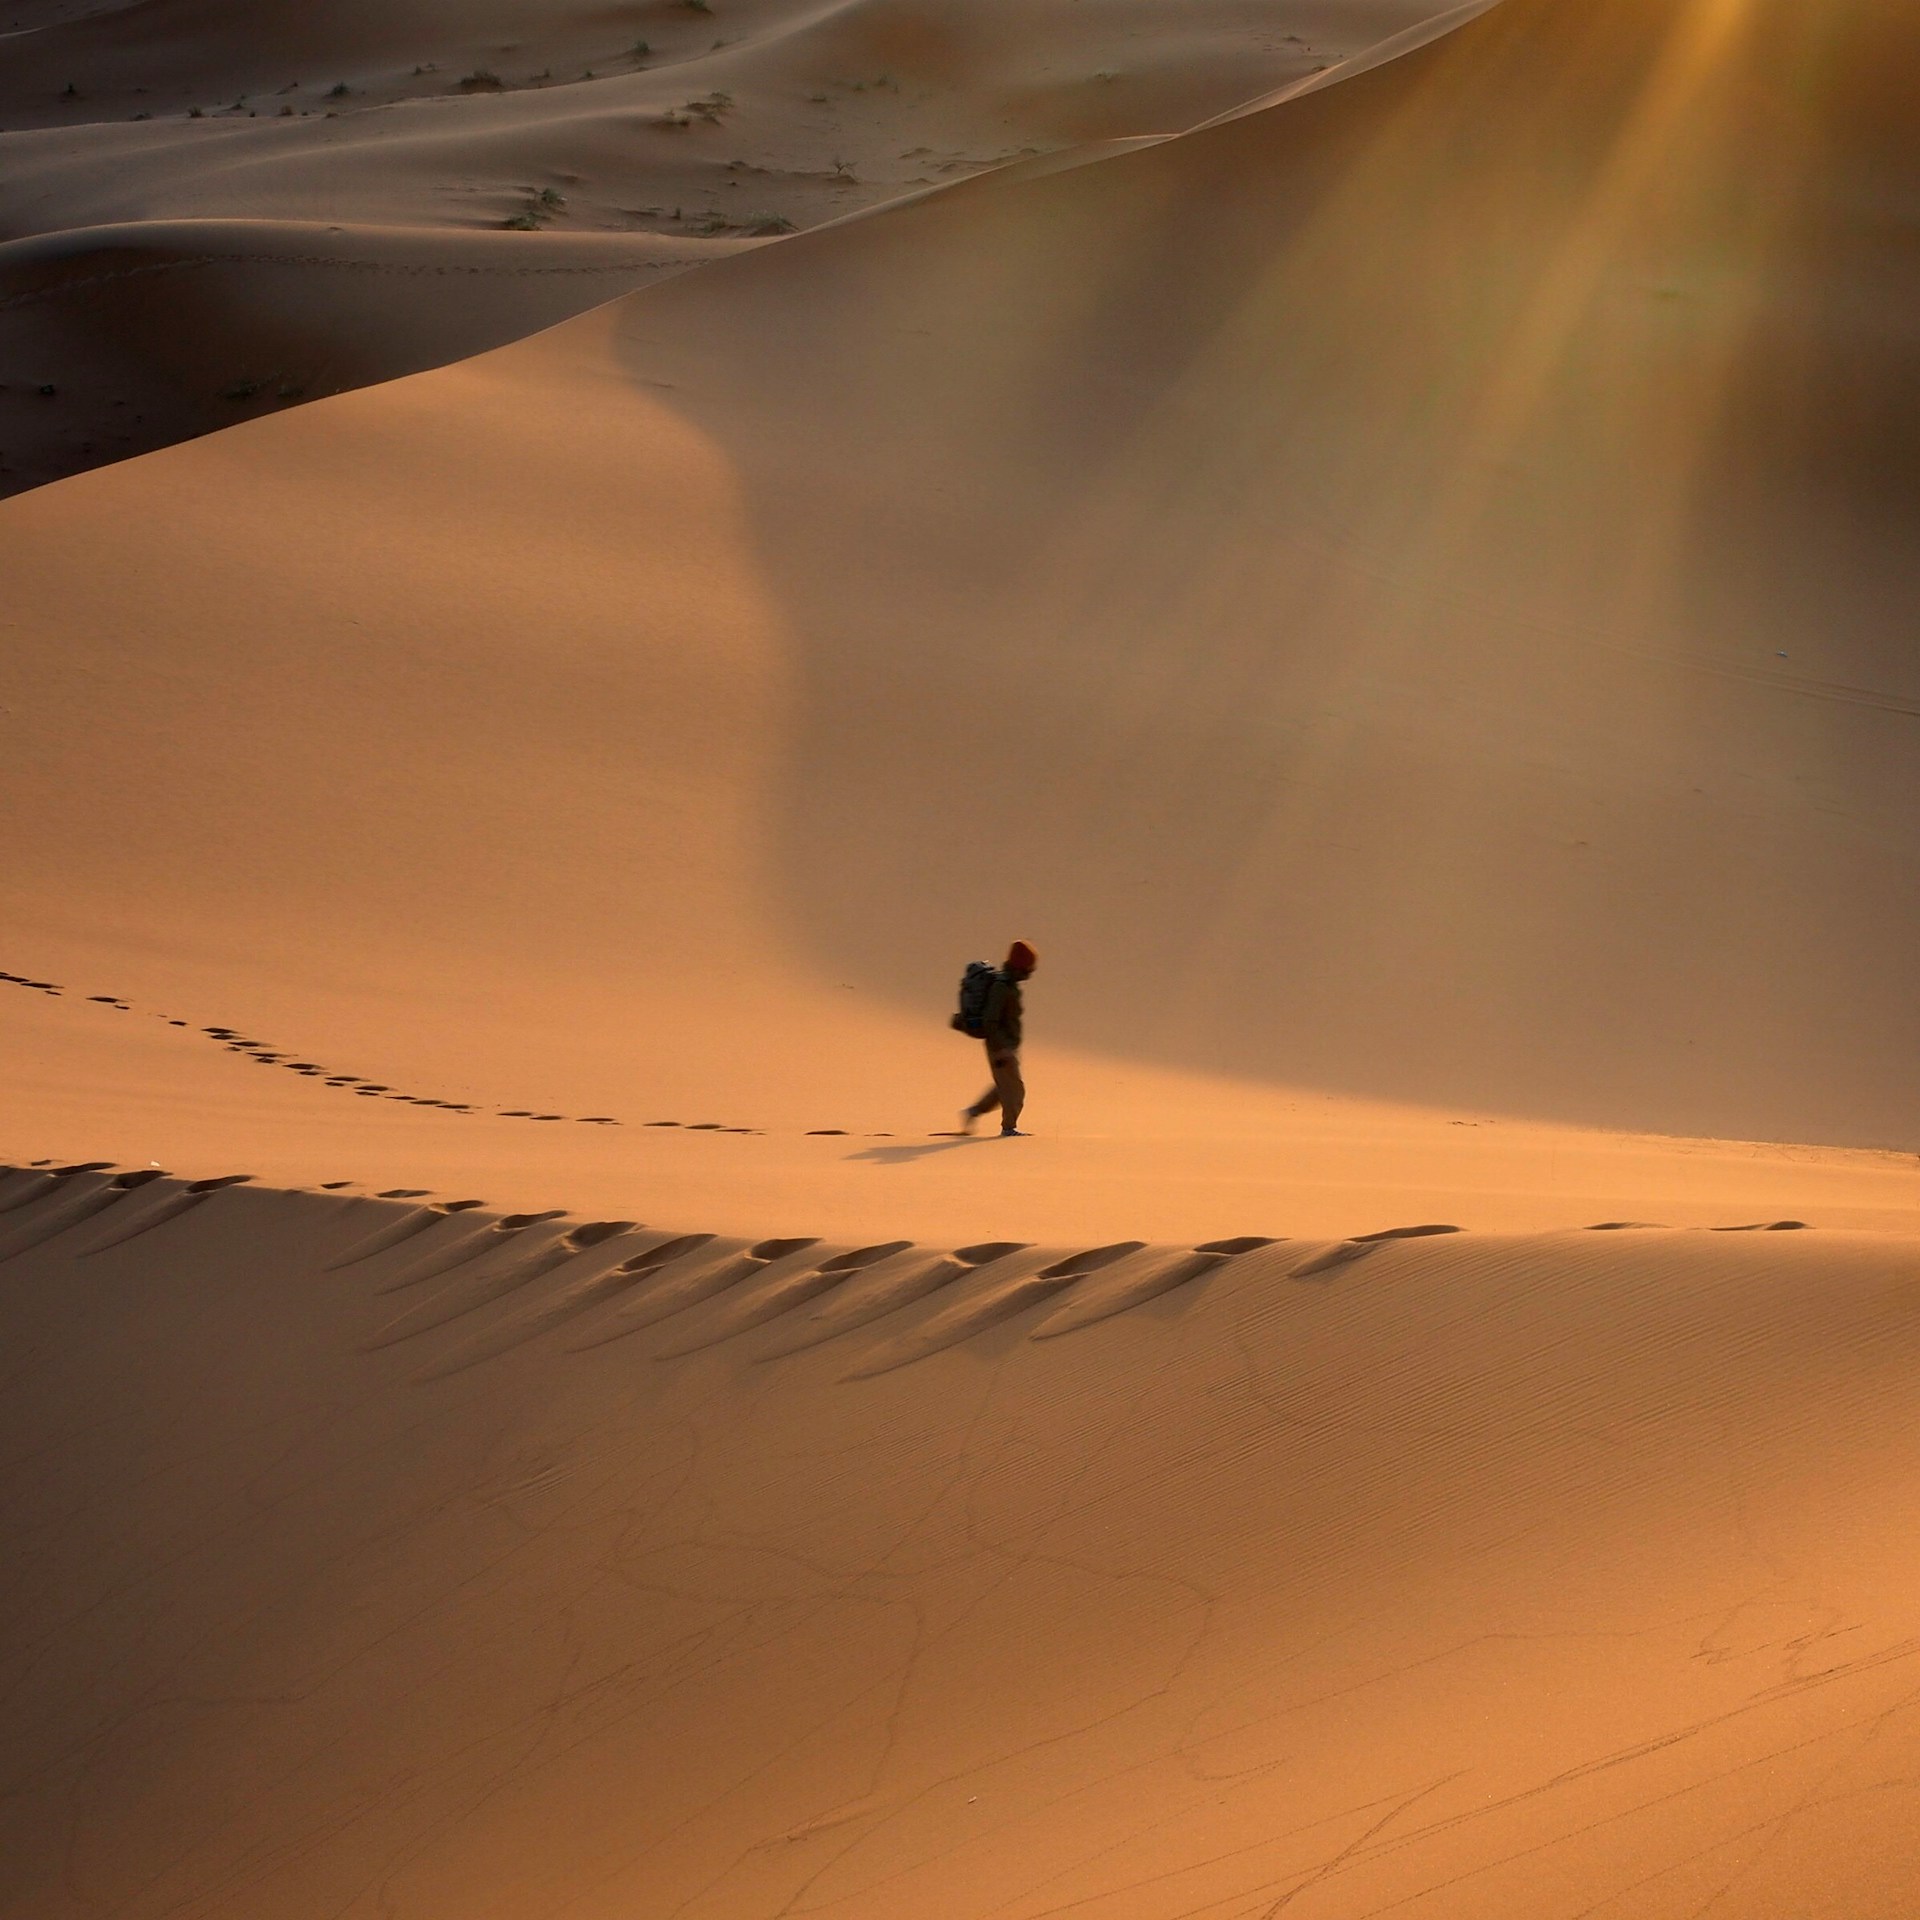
x,y
975,985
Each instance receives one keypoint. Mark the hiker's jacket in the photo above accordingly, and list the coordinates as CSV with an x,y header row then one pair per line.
x,y
1000,1024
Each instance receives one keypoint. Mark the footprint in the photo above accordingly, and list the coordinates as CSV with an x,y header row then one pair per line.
x,y
666,1253
571,1300
735,1263
1626,1226
468,1247
1345,1252
1340,1254
988,1308
172,1206
1765,1226
826,1133
782,1295
264,1055
415,1221
23,1185
31,1185
657,1258
467,1295
1131,1286
869,1298
69,1203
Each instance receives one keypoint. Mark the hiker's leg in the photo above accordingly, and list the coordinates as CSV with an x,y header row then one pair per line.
x,y
1009,1090
991,1098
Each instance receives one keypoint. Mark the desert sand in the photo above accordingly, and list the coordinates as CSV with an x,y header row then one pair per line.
x,y
212,211
1381,543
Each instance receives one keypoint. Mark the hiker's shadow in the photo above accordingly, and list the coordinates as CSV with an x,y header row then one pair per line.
x,y
899,1156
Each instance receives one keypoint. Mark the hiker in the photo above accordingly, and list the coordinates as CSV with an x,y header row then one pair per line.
x,y
990,1011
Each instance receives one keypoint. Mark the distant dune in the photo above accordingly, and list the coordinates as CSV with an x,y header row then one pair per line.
x,y
211,211
1380,542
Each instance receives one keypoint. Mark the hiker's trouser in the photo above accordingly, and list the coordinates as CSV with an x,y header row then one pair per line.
x,y
1008,1092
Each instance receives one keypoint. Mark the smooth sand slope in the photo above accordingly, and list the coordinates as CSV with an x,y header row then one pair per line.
x,y
1324,579
1404,596
210,211
1529,1577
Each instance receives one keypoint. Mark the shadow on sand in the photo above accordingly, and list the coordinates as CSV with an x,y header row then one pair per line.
x,y
1349,589
940,1143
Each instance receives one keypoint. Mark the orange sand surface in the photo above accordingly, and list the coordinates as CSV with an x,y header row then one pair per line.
x,y
1381,541
377,1562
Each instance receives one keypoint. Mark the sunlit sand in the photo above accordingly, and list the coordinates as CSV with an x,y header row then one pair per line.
x,y
1380,541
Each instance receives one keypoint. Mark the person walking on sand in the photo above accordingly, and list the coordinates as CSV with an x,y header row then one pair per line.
x,y
990,1011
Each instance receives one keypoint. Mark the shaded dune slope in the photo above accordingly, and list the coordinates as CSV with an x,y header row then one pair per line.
x,y
1428,561
358,1570
139,336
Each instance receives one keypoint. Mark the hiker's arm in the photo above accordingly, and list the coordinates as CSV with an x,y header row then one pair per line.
x,y
993,1018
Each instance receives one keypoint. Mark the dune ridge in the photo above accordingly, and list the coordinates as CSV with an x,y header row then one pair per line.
x,y
584,1265
494,1254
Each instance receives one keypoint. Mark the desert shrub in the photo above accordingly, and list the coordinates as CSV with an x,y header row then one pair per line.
x,y
542,204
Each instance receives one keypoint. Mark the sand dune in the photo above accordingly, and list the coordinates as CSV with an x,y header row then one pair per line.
x,y
518,1400
138,137
739,658
161,330
1538,1576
